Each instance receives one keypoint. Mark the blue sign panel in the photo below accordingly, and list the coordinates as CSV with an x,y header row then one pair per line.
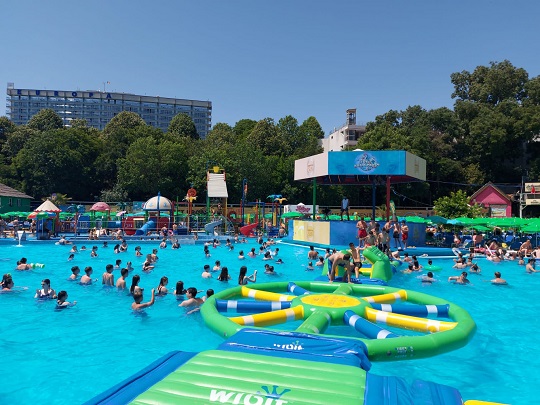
x,y
367,163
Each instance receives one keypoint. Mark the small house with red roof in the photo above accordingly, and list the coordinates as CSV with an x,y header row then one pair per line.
x,y
494,200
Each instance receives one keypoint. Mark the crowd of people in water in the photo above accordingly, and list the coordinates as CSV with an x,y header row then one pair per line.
x,y
350,260
187,296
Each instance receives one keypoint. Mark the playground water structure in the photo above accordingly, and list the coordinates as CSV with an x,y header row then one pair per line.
x,y
478,370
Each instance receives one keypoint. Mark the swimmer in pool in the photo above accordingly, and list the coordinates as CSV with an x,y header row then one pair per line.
x,y
192,301
108,277
23,265
46,291
75,271
138,297
61,301
121,282
498,279
428,278
530,266
461,279
87,279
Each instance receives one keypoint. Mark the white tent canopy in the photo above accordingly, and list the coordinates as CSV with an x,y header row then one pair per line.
x,y
47,206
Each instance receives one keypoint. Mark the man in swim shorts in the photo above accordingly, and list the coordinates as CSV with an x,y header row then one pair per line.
x,y
336,260
357,262
404,234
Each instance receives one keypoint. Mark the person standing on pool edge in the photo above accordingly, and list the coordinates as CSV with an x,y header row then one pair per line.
x,y
345,207
404,234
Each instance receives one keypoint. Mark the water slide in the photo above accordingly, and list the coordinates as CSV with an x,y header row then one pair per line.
x,y
143,230
246,230
211,226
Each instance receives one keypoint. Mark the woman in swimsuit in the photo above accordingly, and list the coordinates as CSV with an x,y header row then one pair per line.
x,y
162,287
46,291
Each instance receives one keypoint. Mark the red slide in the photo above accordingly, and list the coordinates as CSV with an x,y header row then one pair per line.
x,y
247,229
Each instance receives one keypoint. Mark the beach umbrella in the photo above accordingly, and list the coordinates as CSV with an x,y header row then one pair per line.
x,y
40,215
100,206
437,219
480,228
292,214
48,206
414,220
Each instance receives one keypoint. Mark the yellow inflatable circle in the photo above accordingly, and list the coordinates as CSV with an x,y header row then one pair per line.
x,y
330,300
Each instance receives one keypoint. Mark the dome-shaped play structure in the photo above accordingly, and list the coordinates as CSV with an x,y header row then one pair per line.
x,y
158,203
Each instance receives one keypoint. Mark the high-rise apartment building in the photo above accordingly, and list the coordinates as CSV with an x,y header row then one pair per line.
x,y
99,107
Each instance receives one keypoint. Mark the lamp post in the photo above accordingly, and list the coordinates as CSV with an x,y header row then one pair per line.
x,y
244,193
216,170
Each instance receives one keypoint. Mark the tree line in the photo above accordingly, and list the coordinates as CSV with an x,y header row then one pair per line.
x,y
490,135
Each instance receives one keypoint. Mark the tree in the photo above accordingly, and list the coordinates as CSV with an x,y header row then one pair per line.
x,y
45,120
164,169
117,139
266,136
492,85
456,205
125,120
311,127
6,127
182,126
244,127
60,161
16,141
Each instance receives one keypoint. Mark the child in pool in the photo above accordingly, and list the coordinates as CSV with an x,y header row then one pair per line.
x,y
121,282
75,271
61,301
87,279
138,297
108,276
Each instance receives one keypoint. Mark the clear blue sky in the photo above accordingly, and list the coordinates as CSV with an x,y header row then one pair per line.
x,y
256,59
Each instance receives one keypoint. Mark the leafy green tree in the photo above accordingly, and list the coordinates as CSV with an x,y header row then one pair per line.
x,y
311,127
125,120
6,127
116,139
490,84
16,141
182,126
60,161
159,166
266,136
79,123
456,205
46,120
244,127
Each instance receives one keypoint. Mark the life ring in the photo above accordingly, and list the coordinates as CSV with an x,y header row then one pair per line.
x,y
321,304
432,268
191,192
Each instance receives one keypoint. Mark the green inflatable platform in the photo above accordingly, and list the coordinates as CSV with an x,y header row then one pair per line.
x,y
218,376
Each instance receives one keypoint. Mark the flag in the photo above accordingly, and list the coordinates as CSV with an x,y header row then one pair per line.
x,y
533,190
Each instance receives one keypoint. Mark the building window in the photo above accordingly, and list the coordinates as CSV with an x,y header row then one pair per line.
x,y
11,202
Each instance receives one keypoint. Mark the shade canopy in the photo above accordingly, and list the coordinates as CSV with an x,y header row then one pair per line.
x,y
100,206
158,203
48,206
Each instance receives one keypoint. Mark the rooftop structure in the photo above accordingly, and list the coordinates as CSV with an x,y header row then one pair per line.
x,y
345,136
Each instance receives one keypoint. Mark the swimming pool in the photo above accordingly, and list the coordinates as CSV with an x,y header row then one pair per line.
x,y
70,356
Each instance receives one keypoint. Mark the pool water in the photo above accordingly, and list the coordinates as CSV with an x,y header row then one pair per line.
x,y
69,356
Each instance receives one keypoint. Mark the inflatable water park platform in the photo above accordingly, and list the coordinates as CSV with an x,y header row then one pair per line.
x,y
306,365
273,368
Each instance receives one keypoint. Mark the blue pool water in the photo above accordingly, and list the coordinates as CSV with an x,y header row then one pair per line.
x,y
71,355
